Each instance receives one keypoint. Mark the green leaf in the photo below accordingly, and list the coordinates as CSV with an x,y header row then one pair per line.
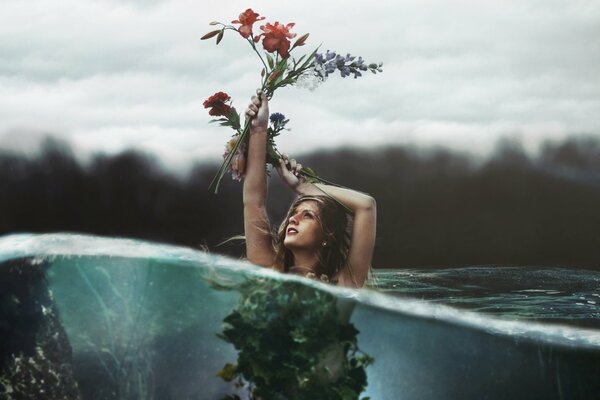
x,y
300,59
278,80
228,373
234,118
298,337
281,331
286,81
282,65
270,61
310,59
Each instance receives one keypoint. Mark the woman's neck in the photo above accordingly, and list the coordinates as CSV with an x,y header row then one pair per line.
x,y
304,262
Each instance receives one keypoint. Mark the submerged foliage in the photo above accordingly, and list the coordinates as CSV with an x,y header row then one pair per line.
x,y
292,345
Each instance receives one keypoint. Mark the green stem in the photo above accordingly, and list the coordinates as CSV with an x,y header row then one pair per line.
x,y
214,184
251,41
217,179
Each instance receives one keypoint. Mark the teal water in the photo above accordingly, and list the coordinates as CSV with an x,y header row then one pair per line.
x,y
142,321
556,295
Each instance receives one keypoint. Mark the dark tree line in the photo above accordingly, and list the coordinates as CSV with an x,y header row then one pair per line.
x,y
435,208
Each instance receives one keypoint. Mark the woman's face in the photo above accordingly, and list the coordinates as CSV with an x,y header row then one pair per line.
x,y
303,230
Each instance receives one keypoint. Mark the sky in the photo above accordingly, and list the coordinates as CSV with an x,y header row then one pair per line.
x,y
107,76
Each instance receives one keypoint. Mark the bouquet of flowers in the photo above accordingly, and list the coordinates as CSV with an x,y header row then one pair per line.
x,y
279,69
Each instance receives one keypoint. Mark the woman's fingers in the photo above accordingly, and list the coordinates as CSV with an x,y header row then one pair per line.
x,y
284,164
263,98
258,108
290,175
252,108
294,166
281,166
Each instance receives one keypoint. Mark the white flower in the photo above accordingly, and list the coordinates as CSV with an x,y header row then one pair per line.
x,y
311,79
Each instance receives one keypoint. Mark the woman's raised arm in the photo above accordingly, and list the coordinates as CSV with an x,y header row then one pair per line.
x,y
257,229
364,227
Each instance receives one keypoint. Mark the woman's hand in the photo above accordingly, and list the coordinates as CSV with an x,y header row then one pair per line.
x,y
258,112
289,171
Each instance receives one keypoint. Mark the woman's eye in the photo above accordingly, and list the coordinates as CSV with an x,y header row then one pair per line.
x,y
308,216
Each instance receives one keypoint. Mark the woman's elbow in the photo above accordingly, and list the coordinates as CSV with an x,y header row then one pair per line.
x,y
369,204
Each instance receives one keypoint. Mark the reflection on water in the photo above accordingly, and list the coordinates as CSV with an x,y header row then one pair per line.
x,y
292,343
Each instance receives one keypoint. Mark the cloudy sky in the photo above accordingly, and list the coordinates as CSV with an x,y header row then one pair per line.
x,y
111,75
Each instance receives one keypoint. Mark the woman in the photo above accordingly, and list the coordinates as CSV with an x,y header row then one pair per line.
x,y
314,239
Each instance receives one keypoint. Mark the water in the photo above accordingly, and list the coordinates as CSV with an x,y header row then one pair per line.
x,y
96,318
553,295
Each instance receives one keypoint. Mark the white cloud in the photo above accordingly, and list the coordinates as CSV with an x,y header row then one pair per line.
x,y
110,75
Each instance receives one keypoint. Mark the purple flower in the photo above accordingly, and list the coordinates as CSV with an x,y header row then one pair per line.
x,y
329,62
319,59
344,71
277,118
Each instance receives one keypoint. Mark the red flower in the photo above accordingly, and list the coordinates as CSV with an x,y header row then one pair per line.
x,y
276,38
246,19
217,105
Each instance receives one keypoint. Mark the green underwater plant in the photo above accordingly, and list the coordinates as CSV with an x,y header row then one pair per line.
x,y
292,344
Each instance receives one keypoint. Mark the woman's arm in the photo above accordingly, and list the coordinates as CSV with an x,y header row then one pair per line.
x,y
257,229
364,209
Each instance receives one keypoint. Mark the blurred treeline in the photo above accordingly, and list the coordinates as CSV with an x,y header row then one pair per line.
x,y
435,208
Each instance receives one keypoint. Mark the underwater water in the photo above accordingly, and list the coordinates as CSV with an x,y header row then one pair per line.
x,y
101,318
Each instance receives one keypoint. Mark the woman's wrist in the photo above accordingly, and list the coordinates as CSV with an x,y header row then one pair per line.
x,y
304,188
258,131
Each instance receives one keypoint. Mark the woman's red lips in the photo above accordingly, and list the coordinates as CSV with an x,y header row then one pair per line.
x,y
292,230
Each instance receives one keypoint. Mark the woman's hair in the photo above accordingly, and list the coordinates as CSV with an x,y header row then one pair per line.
x,y
335,224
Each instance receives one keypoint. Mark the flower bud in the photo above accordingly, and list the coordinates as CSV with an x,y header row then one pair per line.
x,y
274,75
210,34
301,40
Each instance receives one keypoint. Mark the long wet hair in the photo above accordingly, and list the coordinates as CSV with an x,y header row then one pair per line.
x,y
336,227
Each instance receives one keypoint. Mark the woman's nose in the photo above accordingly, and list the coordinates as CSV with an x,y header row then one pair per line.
x,y
293,219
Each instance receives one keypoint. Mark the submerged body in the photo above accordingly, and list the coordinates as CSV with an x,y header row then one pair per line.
x,y
317,238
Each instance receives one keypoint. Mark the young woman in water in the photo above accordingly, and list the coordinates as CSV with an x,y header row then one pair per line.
x,y
317,238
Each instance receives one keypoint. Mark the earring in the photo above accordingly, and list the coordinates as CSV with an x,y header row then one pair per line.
x,y
324,244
